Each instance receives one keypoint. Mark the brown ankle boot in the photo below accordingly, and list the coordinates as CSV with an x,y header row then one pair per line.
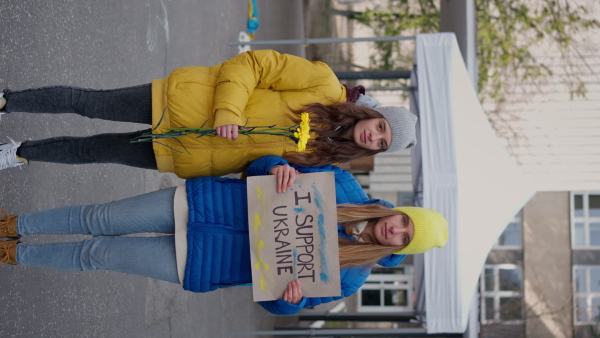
x,y
8,224
8,252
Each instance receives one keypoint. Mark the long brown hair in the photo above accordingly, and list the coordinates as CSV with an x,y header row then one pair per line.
x,y
353,253
330,146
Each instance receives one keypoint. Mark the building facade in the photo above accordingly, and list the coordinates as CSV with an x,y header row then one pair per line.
x,y
543,277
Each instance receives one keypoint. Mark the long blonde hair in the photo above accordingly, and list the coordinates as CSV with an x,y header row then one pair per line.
x,y
353,253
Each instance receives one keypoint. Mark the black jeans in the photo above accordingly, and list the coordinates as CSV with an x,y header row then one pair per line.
x,y
131,104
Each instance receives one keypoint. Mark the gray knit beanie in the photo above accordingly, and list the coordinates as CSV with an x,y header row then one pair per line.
x,y
403,124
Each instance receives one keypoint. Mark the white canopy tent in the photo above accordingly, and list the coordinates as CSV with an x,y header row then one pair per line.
x,y
460,169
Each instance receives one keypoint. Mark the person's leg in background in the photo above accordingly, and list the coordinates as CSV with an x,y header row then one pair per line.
x,y
147,256
130,104
102,148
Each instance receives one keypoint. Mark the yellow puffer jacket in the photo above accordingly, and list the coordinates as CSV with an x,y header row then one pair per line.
x,y
255,89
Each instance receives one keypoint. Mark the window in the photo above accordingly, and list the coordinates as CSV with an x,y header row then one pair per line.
x,y
586,301
511,237
387,290
585,220
501,292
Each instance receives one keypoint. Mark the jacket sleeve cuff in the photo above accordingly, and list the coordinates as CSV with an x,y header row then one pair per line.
x,y
262,165
225,116
281,307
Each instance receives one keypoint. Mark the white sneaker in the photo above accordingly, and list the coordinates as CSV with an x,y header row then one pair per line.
x,y
8,155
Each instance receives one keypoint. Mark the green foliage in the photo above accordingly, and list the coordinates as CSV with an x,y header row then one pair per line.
x,y
507,32
399,17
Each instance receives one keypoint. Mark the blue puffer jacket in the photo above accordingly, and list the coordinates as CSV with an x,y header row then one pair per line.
x,y
218,245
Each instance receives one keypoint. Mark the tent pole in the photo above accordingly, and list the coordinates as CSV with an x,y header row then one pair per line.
x,y
323,40
374,75
305,332
360,316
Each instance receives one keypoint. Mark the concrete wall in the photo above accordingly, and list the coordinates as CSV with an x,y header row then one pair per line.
x,y
547,266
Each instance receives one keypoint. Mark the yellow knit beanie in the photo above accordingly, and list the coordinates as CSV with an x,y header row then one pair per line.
x,y
431,230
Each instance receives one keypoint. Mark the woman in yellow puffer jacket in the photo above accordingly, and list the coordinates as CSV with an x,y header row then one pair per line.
x,y
256,88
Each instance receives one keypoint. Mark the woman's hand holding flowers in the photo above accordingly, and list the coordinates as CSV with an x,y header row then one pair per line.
x,y
228,131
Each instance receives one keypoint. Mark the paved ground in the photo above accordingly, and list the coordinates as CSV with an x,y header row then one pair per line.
x,y
108,44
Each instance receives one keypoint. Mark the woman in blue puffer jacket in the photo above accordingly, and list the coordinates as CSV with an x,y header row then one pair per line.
x,y
210,248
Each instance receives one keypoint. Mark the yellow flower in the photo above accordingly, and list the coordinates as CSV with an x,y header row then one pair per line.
x,y
305,118
299,133
303,132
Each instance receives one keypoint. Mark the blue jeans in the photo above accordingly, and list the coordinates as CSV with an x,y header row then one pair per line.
x,y
145,256
131,104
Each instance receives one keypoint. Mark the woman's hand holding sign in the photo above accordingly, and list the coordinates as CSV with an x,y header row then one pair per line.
x,y
293,292
285,176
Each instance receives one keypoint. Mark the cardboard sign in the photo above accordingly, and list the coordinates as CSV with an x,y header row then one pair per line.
x,y
293,235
